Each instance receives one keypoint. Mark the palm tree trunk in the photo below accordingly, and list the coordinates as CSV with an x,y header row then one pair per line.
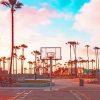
x,y
0,64
12,14
88,58
71,58
74,48
13,65
16,60
16,64
23,51
43,67
3,65
21,66
96,58
92,65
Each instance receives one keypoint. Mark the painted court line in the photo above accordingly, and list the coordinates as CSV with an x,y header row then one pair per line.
x,y
18,94
75,94
84,95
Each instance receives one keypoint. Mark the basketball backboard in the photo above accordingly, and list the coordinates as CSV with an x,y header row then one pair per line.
x,y
47,52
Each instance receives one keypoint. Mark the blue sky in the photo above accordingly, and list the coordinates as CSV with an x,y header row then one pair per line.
x,y
61,6
71,6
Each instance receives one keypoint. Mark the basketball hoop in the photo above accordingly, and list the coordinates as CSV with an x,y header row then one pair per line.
x,y
50,54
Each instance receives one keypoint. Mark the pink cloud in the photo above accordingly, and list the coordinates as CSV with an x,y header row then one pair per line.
x,y
89,16
39,16
88,20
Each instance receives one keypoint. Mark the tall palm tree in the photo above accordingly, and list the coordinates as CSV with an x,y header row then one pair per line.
x,y
80,60
14,56
97,56
23,46
13,5
8,61
22,58
34,66
35,53
87,49
70,43
30,66
73,44
43,62
70,63
0,62
25,69
92,61
16,48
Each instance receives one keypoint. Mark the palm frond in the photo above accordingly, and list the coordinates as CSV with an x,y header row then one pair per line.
x,y
12,2
18,5
5,3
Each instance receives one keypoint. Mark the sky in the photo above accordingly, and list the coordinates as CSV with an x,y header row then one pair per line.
x,y
52,23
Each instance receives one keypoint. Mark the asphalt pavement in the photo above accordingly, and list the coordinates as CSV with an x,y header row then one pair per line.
x,y
64,89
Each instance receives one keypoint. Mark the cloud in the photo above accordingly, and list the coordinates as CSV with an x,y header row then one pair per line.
x,y
88,20
26,21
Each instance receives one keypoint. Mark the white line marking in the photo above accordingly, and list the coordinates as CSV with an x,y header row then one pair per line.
x,y
75,94
25,94
84,95
18,95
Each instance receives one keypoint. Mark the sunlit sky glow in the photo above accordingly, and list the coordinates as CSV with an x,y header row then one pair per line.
x,y
52,23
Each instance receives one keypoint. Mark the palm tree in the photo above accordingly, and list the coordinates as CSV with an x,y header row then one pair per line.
x,y
80,61
87,48
22,58
97,56
23,46
16,48
8,61
30,67
35,52
13,5
3,60
70,43
25,69
83,61
43,62
14,56
0,62
34,66
92,61
73,44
